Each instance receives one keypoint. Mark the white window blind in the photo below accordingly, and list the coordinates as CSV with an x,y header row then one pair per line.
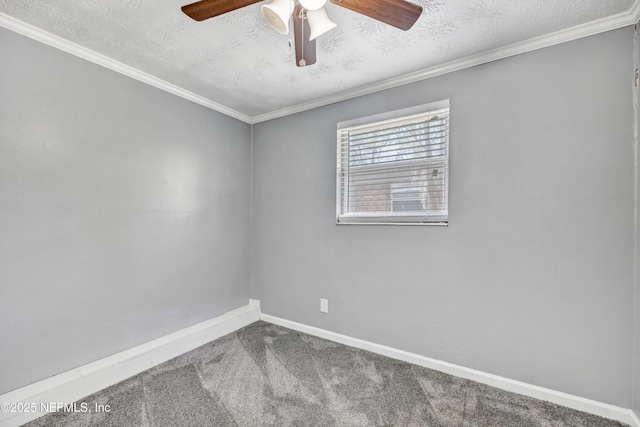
x,y
395,170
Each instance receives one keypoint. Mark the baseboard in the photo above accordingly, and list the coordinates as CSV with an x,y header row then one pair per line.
x,y
575,402
75,384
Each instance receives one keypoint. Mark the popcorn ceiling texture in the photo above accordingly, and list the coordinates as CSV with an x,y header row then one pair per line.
x,y
237,60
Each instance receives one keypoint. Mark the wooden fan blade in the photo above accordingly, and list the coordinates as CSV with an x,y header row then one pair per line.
x,y
206,9
305,49
398,13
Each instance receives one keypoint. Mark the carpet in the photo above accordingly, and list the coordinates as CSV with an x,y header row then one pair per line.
x,y
267,375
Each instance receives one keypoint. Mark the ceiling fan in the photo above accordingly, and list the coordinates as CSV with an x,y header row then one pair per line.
x,y
309,17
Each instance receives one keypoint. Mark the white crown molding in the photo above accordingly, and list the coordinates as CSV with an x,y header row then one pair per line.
x,y
560,398
613,22
40,35
591,28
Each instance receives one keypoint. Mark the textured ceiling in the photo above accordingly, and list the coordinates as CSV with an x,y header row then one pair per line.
x,y
238,61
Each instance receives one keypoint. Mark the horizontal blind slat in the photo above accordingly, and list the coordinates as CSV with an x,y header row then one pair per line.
x,y
384,134
389,160
371,184
416,118
406,144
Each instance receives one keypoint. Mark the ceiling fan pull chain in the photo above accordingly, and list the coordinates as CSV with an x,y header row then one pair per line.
x,y
302,62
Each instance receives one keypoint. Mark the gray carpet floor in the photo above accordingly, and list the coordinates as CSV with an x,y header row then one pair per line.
x,y
266,375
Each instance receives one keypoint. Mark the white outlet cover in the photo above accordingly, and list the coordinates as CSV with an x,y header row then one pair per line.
x,y
324,305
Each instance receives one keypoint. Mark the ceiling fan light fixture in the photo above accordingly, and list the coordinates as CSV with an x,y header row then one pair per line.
x,y
319,23
309,18
277,14
312,4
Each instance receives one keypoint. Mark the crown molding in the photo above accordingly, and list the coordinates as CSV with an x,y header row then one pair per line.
x,y
612,22
40,35
631,17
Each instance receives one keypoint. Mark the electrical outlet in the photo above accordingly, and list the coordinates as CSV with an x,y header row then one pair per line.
x,y
324,305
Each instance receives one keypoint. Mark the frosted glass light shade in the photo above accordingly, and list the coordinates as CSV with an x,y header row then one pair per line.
x,y
312,4
277,14
319,22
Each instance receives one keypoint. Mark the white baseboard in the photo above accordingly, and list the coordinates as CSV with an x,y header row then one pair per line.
x,y
575,402
75,384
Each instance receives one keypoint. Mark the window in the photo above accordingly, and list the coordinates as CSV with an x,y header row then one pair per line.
x,y
394,168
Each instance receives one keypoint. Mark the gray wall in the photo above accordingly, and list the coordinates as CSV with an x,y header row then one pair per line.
x,y
636,360
124,212
124,216
533,278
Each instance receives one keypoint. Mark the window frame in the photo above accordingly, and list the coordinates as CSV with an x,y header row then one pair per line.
x,y
441,219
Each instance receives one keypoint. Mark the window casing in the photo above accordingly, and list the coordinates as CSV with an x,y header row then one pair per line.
x,y
394,168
